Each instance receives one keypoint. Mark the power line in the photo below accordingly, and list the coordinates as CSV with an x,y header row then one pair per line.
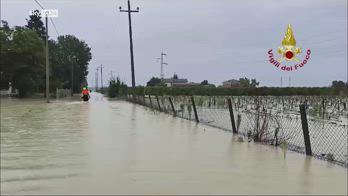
x,y
54,26
37,2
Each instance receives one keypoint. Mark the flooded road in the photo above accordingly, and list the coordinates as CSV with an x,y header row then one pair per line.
x,y
115,147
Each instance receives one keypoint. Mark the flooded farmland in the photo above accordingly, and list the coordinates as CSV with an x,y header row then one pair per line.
x,y
274,120
116,147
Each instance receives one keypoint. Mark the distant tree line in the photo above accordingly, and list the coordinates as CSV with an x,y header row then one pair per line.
x,y
23,58
243,82
156,86
220,91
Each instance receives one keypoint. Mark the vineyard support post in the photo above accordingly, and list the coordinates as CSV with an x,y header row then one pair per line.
x,y
305,130
150,101
194,109
158,103
234,130
172,105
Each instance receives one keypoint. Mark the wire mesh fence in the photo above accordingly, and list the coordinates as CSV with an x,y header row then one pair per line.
x,y
268,119
62,93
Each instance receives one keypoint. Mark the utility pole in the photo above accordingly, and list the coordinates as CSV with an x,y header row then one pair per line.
x,y
162,63
129,11
101,78
72,60
72,79
47,66
96,80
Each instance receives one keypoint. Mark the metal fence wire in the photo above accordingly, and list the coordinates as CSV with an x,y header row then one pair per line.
x,y
268,119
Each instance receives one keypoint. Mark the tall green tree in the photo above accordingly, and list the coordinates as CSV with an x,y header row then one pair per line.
x,y
22,58
35,23
116,87
5,42
69,54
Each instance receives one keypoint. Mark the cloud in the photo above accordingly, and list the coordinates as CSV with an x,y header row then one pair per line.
x,y
204,39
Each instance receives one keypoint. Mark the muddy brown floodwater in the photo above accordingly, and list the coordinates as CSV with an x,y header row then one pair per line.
x,y
115,147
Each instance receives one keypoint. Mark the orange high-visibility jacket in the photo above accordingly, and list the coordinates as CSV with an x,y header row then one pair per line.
x,y
85,92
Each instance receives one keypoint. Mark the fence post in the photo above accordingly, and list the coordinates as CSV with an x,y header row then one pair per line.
x,y
323,105
305,130
171,104
144,100
232,115
194,109
158,103
150,101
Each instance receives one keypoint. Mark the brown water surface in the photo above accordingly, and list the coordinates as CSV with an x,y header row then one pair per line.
x,y
115,147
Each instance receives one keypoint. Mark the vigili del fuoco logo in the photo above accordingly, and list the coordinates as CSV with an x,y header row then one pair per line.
x,y
288,53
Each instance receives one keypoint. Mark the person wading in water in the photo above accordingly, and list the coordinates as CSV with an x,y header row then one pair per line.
x,y
85,94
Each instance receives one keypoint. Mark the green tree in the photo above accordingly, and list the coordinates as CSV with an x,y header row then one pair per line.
x,y
339,84
22,58
155,82
205,82
254,83
116,87
35,23
246,83
5,40
67,55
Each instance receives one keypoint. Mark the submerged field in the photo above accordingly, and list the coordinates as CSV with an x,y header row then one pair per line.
x,y
272,119
116,147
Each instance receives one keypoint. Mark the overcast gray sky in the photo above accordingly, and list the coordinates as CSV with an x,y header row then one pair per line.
x,y
215,40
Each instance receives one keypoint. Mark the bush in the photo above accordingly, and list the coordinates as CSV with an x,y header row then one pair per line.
x,y
117,88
